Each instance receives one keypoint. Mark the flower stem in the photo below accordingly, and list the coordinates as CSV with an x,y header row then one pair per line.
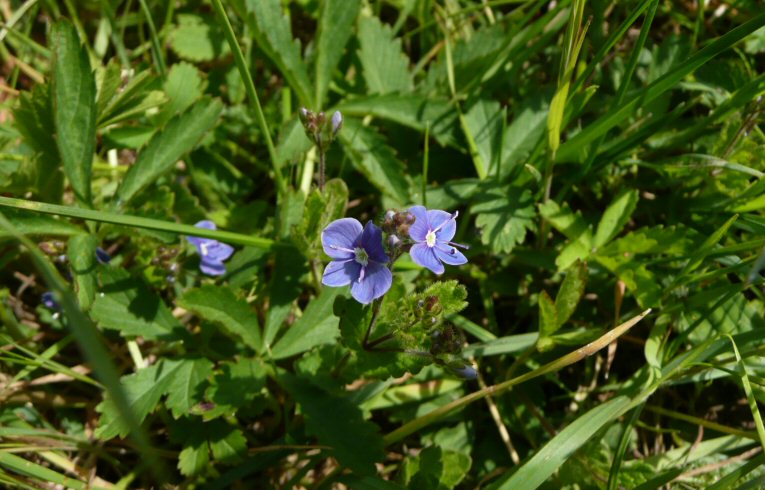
x,y
322,166
373,322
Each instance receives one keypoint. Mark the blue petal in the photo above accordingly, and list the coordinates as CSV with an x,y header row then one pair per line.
x,y
371,242
442,219
340,236
217,251
212,268
205,224
449,255
419,230
341,273
376,282
424,256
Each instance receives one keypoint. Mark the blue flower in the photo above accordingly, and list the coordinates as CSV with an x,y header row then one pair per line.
x,y
48,299
432,231
358,259
212,252
102,256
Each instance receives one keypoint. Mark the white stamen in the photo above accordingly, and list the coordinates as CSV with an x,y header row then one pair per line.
x,y
203,248
361,256
430,239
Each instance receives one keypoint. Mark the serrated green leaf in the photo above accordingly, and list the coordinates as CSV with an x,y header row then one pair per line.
x,y
272,31
284,290
108,80
185,387
411,110
571,291
74,108
435,469
571,225
235,386
376,160
139,95
354,319
126,304
639,280
523,133
321,208
548,315
166,147
82,258
197,38
385,65
504,216
338,423
183,87
228,447
317,326
485,123
33,118
194,458
615,217
145,388
335,27
219,304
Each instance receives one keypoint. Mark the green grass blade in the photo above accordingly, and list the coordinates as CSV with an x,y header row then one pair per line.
x,y
252,94
617,114
156,49
548,459
28,468
136,222
749,394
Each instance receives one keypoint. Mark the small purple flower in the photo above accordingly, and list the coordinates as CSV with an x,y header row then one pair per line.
x,y
212,252
102,256
358,259
432,231
49,301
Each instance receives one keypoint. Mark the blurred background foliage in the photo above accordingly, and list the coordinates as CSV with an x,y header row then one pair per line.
x,y
605,158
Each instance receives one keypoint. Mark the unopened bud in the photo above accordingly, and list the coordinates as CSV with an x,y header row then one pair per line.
x,y
394,241
303,114
466,372
337,122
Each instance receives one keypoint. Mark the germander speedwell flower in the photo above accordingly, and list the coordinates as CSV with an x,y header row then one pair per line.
x,y
432,231
358,259
212,252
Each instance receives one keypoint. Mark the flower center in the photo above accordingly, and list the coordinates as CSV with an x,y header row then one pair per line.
x,y
430,238
203,248
361,256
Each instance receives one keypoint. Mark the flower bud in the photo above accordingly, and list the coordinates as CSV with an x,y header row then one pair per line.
x,y
393,241
303,114
465,372
337,122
